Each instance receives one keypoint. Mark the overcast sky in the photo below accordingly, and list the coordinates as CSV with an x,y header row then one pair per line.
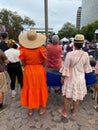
x,y
59,11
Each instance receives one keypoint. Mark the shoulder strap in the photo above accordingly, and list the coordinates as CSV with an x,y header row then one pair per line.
x,y
78,60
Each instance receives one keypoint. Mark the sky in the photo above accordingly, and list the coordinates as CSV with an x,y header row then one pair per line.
x,y
59,11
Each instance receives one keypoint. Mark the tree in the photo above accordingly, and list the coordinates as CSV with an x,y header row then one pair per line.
x,y
68,30
14,23
89,30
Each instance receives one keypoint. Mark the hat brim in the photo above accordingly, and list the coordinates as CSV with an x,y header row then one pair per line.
x,y
40,40
78,41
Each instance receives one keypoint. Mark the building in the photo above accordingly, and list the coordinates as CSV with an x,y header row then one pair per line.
x,y
78,18
89,12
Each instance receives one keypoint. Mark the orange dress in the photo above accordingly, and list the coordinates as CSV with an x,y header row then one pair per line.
x,y
35,91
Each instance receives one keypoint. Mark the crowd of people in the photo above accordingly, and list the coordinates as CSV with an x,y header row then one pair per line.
x,y
29,61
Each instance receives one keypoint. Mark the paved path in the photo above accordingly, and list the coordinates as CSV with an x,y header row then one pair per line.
x,y
16,117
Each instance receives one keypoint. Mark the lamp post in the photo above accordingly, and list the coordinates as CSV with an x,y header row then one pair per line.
x,y
46,17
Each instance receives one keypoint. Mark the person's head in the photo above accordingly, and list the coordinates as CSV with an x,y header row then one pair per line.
x,y
78,41
12,44
4,35
31,39
55,39
92,61
65,42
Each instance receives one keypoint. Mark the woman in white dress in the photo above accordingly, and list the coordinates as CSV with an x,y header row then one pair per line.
x,y
75,66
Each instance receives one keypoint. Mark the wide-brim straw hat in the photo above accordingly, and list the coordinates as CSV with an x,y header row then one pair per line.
x,y
31,39
79,38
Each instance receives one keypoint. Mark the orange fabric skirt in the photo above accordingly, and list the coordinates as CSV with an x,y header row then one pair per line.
x,y
35,91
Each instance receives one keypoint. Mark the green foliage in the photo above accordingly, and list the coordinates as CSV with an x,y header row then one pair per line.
x,y
89,30
68,30
14,23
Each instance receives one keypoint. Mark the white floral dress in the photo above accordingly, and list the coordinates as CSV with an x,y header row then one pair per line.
x,y
74,70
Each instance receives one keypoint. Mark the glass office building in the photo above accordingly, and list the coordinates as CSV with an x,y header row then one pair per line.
x,y
89,12
78,18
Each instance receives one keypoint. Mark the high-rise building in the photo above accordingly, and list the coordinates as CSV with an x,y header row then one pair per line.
x,y
78,18
89,12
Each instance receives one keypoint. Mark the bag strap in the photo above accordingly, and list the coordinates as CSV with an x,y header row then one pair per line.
x,y
78,60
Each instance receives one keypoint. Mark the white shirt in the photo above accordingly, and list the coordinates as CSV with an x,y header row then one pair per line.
x,y
71,44
97,46
65,47
12,55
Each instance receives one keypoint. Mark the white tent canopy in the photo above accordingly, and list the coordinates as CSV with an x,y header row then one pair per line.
x,y
96,31
64,40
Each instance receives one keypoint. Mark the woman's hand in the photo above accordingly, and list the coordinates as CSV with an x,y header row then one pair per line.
x,y
62,79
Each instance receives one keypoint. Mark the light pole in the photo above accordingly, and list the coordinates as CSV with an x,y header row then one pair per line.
x,y
46,17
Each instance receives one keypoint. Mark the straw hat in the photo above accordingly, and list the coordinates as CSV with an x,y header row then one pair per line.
x,y
31,39
79,38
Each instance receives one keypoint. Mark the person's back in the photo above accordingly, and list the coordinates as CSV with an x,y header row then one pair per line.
x,y
73,71
14,68
54,59
33,56
34,93
54,53
78,58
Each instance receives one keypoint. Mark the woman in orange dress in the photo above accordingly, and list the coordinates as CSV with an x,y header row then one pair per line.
x,y
34,93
